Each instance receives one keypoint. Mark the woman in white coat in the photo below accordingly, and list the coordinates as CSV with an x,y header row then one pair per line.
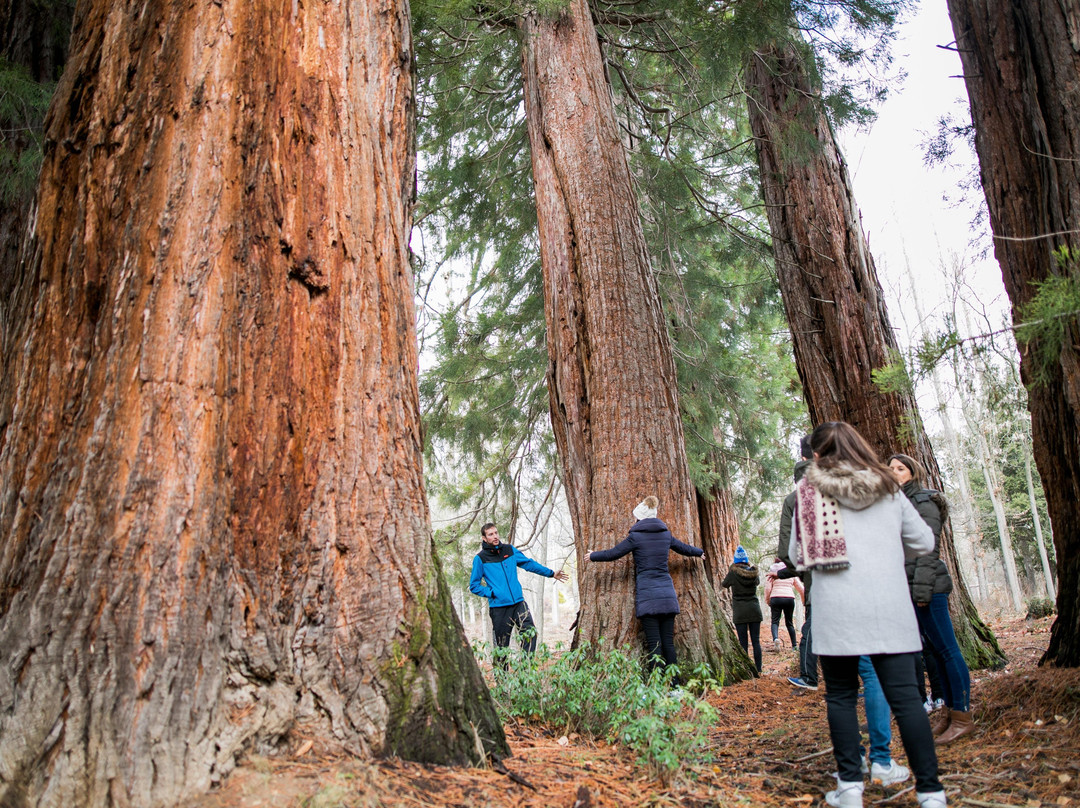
x,y
853,527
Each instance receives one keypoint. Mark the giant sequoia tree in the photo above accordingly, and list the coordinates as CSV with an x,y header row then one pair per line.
x,y
212,514
611,375
1022,70
839,326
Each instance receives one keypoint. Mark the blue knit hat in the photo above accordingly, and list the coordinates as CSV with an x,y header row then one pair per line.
x,y
741,557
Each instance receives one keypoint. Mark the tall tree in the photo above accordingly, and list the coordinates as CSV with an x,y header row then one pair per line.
x,y
839,326
611,373
1021,64
212,512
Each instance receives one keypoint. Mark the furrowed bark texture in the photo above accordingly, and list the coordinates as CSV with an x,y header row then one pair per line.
x,y
213,516
839,326
614,401
1022,70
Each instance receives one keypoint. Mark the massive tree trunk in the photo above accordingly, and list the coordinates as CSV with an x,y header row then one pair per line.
x,y
614,401
213,517
839,327
1021,60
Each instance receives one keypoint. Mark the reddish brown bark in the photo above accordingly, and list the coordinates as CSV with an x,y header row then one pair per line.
x,y
614,402
212,511
719,538
1021,66
839,326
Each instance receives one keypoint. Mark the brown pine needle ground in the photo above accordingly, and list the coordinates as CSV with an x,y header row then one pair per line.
x,y
770,747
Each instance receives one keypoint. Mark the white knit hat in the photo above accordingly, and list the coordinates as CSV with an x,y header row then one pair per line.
x,y
646,509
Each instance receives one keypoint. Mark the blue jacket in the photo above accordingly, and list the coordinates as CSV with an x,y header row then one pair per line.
x,y
650,541
497,567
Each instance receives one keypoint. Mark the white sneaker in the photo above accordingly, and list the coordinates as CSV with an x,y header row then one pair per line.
x,y
863,766
932,799
888,775
847,795
928,705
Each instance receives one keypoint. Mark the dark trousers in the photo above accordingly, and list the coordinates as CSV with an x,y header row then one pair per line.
x,y
659,640
754,630
785,607
504,619
896,673
807,657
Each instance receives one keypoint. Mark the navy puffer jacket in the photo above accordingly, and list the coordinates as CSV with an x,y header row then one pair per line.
x,y
650,541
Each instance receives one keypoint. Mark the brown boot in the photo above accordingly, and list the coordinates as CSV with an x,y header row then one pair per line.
x,y
941,721
960,725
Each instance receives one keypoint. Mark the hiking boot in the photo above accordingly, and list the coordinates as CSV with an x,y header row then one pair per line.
x,y
800,682
942,723
960,725
932,799
846,795
888,775
776,646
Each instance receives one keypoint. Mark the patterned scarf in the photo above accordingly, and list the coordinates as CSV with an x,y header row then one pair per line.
x,y
819,531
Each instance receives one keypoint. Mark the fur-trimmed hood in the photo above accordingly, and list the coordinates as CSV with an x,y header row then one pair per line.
x,y
852,487
744,571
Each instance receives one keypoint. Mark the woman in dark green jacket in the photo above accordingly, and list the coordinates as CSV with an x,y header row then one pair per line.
x,y
931,584
743,579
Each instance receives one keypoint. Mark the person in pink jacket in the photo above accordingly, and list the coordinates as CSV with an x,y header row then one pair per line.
x,y
780,596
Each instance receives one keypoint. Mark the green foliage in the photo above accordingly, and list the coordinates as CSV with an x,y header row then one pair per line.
x,y
1040,607
485,395
1047,319
602,694
893,377
23,103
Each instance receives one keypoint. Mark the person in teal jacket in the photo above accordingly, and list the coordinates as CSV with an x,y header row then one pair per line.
x,y
495,577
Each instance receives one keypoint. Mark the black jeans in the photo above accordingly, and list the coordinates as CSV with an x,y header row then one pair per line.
x,y
807,657
754,629
896,673
659,640
504,619
785,607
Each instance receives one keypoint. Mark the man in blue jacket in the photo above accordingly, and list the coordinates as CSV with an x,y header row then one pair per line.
x,y
495,577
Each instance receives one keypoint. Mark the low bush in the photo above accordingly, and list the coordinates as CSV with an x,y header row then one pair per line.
x,y
603,694
1040,607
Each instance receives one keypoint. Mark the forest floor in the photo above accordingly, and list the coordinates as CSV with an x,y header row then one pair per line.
x,y
769,748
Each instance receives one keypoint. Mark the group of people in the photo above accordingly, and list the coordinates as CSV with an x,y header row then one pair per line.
x,y
860,541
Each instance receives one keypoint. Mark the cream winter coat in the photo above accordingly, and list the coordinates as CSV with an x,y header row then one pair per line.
x,y
866,609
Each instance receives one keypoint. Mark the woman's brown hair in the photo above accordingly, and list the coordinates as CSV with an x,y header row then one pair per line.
x,y
918,473
836,442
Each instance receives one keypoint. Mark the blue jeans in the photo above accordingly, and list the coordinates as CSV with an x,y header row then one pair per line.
x,y
877,713
936,626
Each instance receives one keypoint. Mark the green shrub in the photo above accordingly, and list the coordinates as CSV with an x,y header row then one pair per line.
x,y
1040,607
603,694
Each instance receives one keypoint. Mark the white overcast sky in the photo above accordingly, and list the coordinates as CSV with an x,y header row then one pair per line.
x,y
901,199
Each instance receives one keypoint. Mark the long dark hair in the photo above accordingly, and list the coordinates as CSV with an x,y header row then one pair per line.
x,y
837,442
